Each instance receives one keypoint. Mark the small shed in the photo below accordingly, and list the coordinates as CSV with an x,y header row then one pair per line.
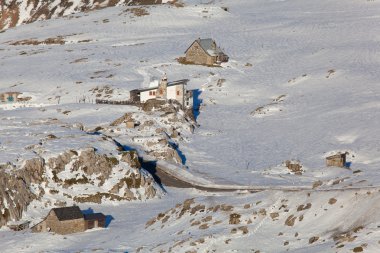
x,y
95,220
130,124
337,160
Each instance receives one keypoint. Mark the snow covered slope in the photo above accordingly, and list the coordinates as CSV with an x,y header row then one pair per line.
x,y
302,83
16,12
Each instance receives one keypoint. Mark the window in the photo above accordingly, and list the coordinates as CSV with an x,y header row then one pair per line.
x,y
161,92
154,93
177,92
150,93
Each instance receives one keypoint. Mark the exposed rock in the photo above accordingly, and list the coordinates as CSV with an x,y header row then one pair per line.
x,y
92,163
235,218
294,167
197,208
32,171
304,207
123,119
203,226
84,167
244,229
57,164
13,203
317,184
47,9
226,208
131,157
150,192
186,207
313,239
290,220
358,249
274,216
153,104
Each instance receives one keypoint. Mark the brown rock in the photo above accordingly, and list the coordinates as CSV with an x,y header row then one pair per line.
x,y
235,218
274,215
313,239
131,157
290,220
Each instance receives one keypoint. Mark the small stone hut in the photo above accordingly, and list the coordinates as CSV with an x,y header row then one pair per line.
x,y
68,220
130,124
337,160
63,220
9,96
205,52
95,220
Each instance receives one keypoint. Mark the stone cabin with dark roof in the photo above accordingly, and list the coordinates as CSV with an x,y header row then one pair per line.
x,y
337,160
68,220
205,52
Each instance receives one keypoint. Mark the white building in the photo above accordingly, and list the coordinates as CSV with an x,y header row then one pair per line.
x,y
176,90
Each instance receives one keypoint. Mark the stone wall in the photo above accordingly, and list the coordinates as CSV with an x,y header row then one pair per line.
x,y
197,55
52,224
338,160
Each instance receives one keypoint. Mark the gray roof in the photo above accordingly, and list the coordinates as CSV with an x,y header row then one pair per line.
x,y
209,46
174,83
68,213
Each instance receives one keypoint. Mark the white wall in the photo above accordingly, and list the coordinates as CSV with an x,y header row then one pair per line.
x,y
144,95
171,94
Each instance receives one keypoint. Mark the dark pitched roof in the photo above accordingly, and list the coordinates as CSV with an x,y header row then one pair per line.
x,y
336,156
68,213
94,216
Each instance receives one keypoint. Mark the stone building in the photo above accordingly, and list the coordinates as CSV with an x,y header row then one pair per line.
x,y
9,96
68,220
205,52
176,90
337,160
95,220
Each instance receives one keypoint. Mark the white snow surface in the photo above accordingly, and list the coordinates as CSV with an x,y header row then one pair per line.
x,y
324,56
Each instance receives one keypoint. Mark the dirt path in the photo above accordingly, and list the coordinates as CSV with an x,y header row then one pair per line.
x,y
165,177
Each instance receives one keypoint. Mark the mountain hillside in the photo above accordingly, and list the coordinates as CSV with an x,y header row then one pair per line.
x,y
16,12
301,84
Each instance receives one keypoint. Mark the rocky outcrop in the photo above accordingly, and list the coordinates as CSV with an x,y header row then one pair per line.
x,y
154,104
16,12
105,177
132,158
15,189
